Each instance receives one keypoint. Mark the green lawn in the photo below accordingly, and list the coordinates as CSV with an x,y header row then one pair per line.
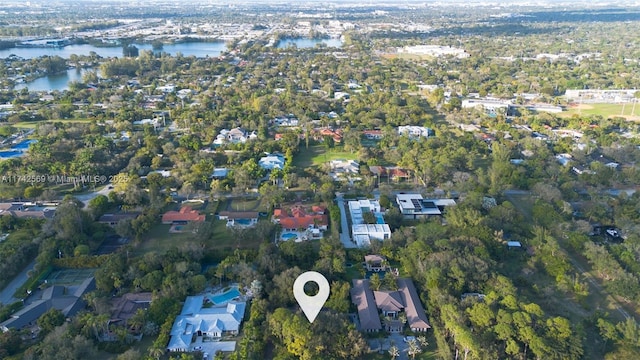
x,y
317,155
605,110
248,205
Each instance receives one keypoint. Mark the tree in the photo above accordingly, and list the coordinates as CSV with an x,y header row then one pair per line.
x,y
375,282
414,348
394,352
99,205
50,320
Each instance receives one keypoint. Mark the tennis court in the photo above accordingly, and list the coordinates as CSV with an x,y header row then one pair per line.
x,y
69,276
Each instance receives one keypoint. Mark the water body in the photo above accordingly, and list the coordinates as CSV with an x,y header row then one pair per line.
x,y
302,43
58,81
197,49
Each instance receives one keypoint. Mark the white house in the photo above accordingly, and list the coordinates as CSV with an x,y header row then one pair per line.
x,y
363,233
344,170
197,322
414,132
234,136
272,161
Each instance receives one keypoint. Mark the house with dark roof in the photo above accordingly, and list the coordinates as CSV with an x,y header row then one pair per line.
x,y
372,305
363,298
184,216
416,317
114,219
66,299
27,210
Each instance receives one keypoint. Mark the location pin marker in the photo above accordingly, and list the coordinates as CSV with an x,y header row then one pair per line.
x,y
311,305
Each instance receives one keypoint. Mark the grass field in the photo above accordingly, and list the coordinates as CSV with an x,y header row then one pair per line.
x,y
317,155
606,110
247,205
32,124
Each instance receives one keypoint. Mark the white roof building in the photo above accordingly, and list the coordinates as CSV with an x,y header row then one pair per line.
x,y
198,321
364,233
344,170
414,132
272,161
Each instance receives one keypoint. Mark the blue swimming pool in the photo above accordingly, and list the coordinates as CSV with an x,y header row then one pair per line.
x,y
379,219
23,145
243,221
10,154
225,297
288,236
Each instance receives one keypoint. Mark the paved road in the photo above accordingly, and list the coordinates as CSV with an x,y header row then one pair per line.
x,y
85,198
6,295
345,238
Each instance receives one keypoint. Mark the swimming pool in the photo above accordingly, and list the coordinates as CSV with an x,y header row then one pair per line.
x,y
225,297
10,154
288,236
244,222
379,219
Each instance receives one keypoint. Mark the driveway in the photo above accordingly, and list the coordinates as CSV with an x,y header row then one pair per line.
x,y
397,340
345,238
85,198
6,295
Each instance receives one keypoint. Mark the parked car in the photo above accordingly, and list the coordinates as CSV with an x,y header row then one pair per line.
x,y
409,338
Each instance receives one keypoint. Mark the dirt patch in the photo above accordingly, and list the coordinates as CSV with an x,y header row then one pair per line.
x,y
582,106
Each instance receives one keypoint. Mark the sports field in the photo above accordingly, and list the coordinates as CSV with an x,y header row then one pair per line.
x,y
628,111
69,276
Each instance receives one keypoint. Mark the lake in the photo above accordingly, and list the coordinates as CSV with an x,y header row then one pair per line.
x,y
54,82
197,49
303,43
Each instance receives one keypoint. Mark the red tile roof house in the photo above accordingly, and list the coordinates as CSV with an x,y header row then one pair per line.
x,y
298,218
184,216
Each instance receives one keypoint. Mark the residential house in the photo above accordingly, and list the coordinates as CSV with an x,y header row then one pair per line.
x,y
28,210
114,219
184,216
375,263
239,218
320,134
344,170
392,173
362,297
272,161
373,134
413,206
200,321
362,234
415,132
416,317
390,304
219,173
234,136
313,220
69,300
125,307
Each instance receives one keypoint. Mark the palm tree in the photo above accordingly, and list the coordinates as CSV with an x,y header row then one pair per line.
x,y
414,349
394,352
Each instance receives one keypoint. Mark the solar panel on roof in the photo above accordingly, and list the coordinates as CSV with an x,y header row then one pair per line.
x,y
416,203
